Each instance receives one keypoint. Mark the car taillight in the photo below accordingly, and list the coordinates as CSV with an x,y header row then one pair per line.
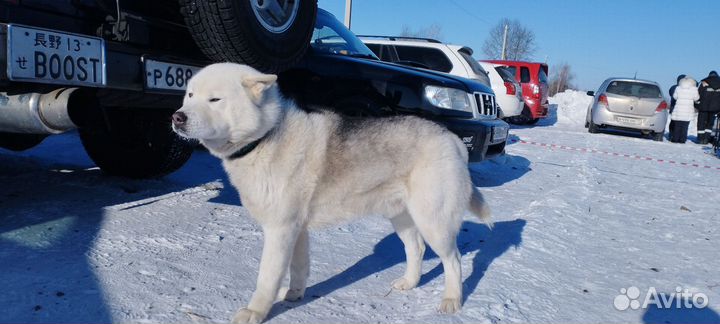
x,y
662,106
602,99
536,91
510,88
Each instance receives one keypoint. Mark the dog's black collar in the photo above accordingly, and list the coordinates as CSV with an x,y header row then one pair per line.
x,y
246,149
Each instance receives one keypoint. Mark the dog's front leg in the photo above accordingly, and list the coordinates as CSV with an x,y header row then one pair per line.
x,y
277,250
299,267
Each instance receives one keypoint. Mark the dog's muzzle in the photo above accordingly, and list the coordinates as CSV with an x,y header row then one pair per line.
x,y
179,120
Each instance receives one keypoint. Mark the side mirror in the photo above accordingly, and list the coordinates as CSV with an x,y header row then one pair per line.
x,y
591,93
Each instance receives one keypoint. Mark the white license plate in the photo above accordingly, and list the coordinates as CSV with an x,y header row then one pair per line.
x,y
630,121
168,76
48,56
499,134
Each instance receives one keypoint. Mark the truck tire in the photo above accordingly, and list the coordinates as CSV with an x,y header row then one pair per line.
x,y
243,31
133,143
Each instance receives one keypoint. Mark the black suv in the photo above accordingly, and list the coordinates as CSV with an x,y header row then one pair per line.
x,y
117,69
339,71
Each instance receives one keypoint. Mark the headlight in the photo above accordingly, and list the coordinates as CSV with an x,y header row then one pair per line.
x,y
448,98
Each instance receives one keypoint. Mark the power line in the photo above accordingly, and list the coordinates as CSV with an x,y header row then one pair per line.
x,y
470,13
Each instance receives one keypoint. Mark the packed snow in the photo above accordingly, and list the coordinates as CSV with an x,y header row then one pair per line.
x,y
580,219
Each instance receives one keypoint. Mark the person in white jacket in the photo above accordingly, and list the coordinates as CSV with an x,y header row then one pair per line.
x,y
685,95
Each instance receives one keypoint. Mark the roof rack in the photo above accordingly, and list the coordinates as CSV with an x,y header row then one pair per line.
x,y
395,38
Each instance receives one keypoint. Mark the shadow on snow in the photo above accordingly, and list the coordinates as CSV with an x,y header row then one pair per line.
x,y
489,244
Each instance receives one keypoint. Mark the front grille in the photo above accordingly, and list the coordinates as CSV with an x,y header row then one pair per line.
x,y
486,104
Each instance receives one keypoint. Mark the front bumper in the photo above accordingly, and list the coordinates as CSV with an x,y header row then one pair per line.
x,y
480,136
655,123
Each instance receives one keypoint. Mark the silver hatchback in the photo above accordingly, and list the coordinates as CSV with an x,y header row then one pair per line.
x,y
628,104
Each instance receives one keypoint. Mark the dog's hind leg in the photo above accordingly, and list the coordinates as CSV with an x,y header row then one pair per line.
x,y
437,201
414,250
444,244
275,260
299,267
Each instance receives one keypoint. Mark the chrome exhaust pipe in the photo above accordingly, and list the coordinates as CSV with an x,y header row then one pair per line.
x,y
36,113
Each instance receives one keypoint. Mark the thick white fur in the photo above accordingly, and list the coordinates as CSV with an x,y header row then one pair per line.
x,y
318,168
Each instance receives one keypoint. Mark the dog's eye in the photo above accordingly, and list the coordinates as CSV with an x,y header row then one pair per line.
x,y
189,94
214,99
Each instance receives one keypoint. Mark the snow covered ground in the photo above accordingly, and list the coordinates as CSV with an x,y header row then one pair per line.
x,y
579,217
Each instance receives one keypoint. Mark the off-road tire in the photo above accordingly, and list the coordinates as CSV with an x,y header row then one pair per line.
x,y
133,143
229,31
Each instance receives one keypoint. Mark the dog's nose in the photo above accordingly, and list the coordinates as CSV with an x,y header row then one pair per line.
x,y
179,118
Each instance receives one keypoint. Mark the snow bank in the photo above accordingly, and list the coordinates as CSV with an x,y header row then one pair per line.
x,y
570,107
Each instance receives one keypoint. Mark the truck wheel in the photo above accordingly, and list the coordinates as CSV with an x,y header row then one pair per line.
x,y
133,143
269,35
20,142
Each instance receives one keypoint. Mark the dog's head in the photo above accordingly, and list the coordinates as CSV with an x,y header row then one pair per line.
x,y
228,103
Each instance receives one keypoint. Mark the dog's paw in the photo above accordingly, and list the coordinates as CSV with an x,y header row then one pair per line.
x,y
246,316
403,283
294,294
450,305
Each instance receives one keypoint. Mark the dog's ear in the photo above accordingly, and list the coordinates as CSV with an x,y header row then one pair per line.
x,y
257,84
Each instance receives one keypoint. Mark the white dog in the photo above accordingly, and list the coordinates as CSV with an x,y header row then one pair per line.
x,y
297,169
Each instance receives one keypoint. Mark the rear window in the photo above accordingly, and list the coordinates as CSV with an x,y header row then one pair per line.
x,y
511,69
542,76
476,67
430,57
506,73
635,89
524,75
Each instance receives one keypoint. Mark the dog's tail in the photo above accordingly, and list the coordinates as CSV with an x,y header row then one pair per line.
x,y
479,207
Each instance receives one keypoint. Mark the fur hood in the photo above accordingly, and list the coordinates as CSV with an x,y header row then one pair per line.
x,y
686,94
687,82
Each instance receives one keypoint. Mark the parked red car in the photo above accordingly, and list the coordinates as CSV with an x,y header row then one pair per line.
x,y
533,78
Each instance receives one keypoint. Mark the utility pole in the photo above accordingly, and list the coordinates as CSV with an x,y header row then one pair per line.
x,y
348,13
504,41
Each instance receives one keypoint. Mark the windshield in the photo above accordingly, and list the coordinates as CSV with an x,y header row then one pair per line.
x,y
331,37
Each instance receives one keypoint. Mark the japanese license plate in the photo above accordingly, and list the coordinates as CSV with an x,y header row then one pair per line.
x,y
499,134
48,56
630,121
167,76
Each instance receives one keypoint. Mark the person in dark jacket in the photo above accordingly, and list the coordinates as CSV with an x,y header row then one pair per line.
x,y
709,106
672,104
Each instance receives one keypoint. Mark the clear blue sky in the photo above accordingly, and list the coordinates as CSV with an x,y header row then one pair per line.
x,y
658,39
